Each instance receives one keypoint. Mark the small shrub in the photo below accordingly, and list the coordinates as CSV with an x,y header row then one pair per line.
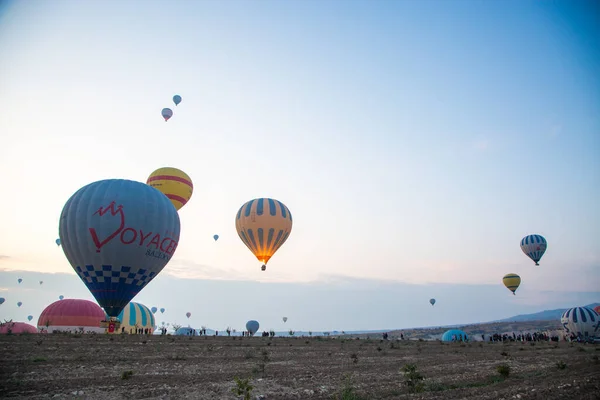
x,y
561,365
354,357
347,391
503,370
40,359
243,387
413,379
505,354
126,374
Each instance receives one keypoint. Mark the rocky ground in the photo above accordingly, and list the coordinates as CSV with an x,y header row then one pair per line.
x,y
154,367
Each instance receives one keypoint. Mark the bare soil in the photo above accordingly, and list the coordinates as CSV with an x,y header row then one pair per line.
x,y
169,367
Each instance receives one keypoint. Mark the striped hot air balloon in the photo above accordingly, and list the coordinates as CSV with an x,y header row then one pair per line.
x,y
263,225
512,282
581,321
534,246
174,183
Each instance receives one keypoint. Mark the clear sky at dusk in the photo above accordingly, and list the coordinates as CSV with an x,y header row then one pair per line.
x,y
415,143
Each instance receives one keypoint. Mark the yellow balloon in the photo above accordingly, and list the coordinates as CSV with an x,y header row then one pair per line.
x,y
263,225
511,281
174,183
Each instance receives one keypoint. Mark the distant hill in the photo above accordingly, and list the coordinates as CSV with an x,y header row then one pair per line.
x,y
546,315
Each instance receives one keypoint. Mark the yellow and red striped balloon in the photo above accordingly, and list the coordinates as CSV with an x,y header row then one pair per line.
x,y
174,183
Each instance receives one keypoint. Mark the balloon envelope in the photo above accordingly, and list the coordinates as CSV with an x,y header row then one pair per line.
x,y
57,241
154,310
263,225
19,304
216,237
534,246
2,300
512,282
284,319
173,183
61,297
177,99
19,280
118,235
252,326
29,317
167,113
162,310
581,321
432,301
188,314
41,282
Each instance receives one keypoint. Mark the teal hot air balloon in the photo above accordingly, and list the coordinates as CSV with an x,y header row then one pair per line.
x,y
57,241
162,310
29,317
252,327
19,280
534,247
154,310
19,304
61,297
2,300
432,301
177,99
118,235
166,113
216,237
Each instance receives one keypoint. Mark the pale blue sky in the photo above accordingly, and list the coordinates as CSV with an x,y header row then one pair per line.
x,y
414,141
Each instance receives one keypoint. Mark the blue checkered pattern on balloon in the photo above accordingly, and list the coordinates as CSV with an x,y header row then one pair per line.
x,y
110,274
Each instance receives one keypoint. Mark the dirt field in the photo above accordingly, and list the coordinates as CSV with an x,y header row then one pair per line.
x,y
155,367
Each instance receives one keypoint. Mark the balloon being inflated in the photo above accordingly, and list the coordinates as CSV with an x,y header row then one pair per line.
x,y
118,235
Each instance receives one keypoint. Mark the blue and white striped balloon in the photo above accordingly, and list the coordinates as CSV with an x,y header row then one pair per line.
x,y
534,246
118,235
581,321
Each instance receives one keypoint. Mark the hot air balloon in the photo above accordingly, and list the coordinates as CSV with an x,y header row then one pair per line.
x,y
263,225
162,310
432,301
167,113
57,241
284,319
581,321
512,282
19,304
2,300
19,280
61,297
118,235
174,183
216,237
154,310
534,246
41,282
188,314
177,99
29,317
252,327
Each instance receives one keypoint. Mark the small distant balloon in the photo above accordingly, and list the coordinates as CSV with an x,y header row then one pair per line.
x,y
188,314
432,301
162,310
2,300
41,282
216,237
177,99
167,113
284,319
57,241
29,317
154,309
19,304
512,282
19,280
61,297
